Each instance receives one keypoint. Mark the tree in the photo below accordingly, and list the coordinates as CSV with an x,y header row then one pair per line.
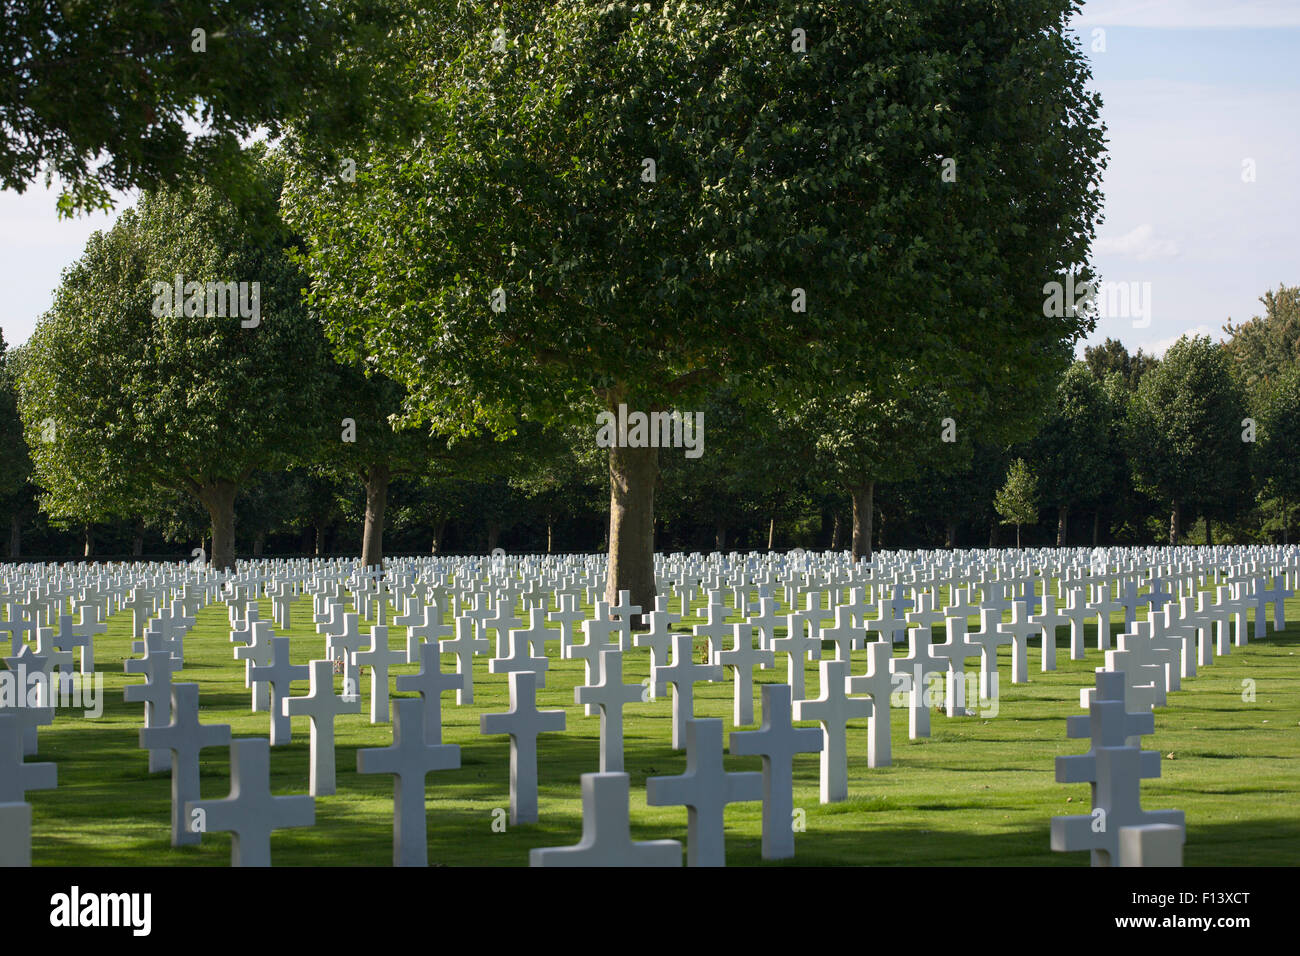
x,y
190,399
1017,501
660,199
107,96
1185,431
1072,450
1262,348
1112,356
1277,413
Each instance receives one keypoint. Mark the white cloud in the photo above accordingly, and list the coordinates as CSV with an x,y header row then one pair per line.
x,y
1159,346
1190,14
1139,243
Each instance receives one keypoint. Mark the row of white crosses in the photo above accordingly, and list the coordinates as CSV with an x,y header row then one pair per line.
x,y
843,696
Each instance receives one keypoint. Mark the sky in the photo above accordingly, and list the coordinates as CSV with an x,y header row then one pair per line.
x,y
1199,96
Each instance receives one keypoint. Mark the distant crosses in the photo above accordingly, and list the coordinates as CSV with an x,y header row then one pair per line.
x,y
742,658
278,674
155,693
1077,613
607,833
321,706
184,737
410,759
465,646
250,814
777,741
766,621
344,644
523,722
430,683
877,685
705,789
683,674
833,709
378,657
609,695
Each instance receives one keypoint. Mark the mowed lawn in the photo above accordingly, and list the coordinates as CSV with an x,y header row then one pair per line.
x,y
977,792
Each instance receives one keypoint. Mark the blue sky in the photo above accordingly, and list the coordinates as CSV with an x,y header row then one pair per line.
x,y
1192,89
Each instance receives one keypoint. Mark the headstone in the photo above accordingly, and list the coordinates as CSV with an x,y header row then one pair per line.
x,y
184,737
606,832
523,722
321,706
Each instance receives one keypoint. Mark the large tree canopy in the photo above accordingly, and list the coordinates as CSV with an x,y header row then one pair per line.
x,y
138,93
631,203
121,396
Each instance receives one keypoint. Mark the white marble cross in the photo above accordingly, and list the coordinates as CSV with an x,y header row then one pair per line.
x,y
279,674
465,646
567,617
659,637
1020,629
321,706
777,741
609,695
1115,771
919,663
250,814
626,614
17,776
429,629
256,653
607,832
430,683
741,658
877,685
798,644
155,693
705,789
184,737
989,637
597,633
523,722
410,759
833,709
521,647
683,674
378,657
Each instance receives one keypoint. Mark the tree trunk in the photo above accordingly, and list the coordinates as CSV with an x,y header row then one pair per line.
x,y
550,534
771,532
1209,532
835,533
320,540
633,473
259,543
219,498
15,535
1096,526
439,529
306,540
1062,516
951,535
1174,524
88,541
863,498
1017,537
137,540
720,535
1285,521
377,478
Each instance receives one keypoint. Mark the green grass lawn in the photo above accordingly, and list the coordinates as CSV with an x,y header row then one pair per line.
x,y
977,792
